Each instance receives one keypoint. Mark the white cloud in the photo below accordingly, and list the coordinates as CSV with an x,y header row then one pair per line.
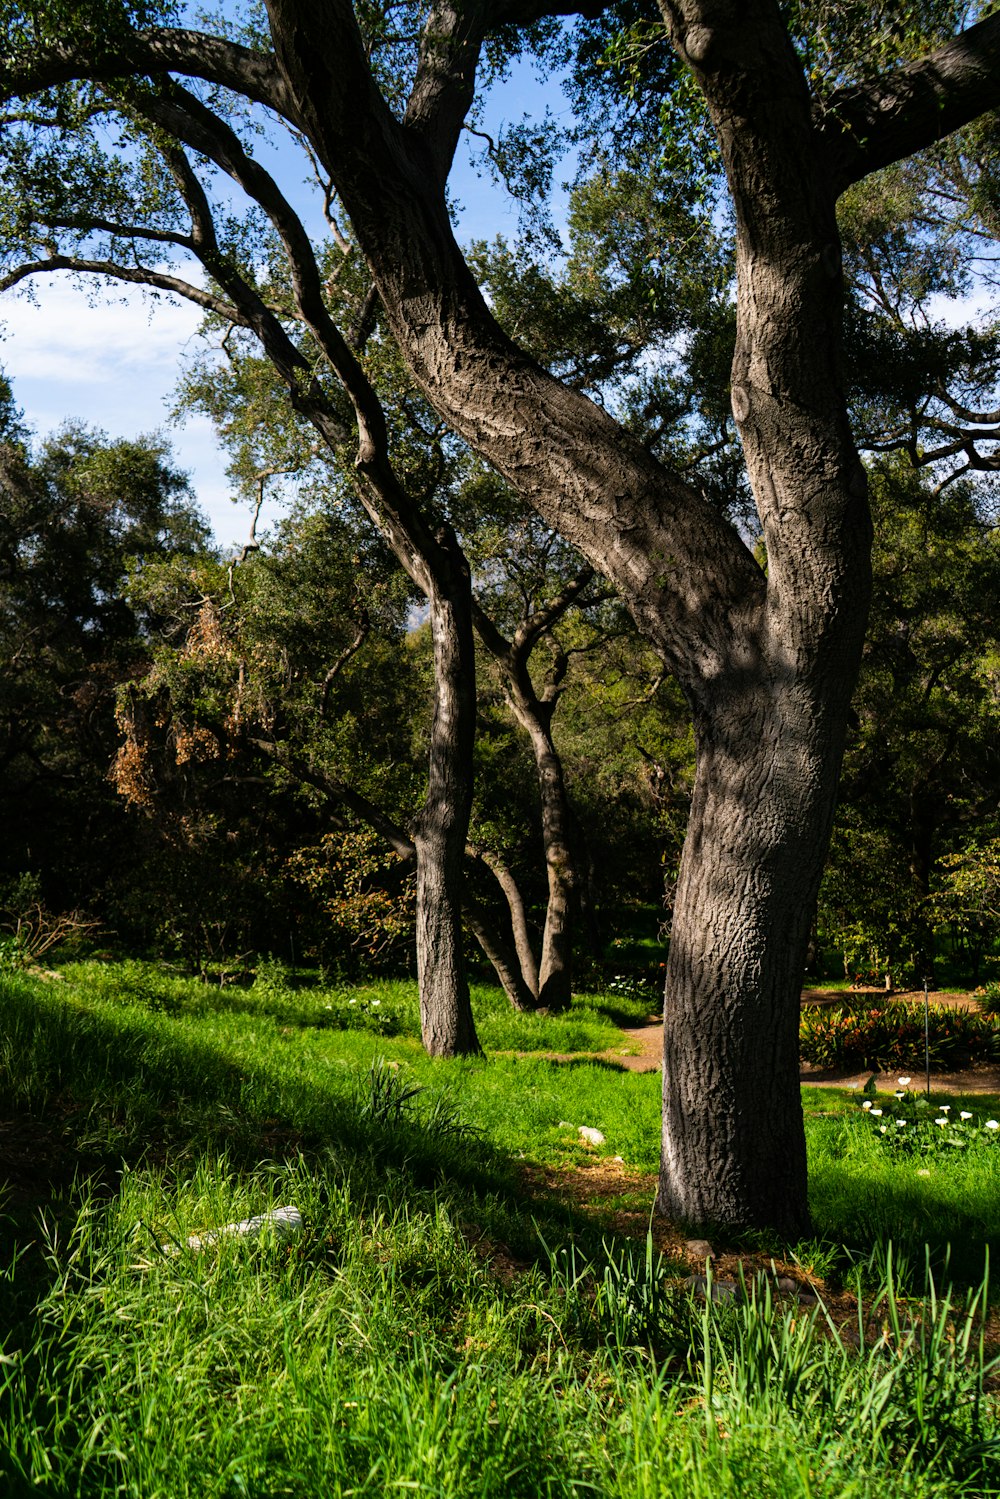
x,y
64,338
114,366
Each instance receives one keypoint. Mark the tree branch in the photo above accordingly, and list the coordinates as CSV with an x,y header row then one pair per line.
x,y
363,631
400,520
153,52
872,127
136,274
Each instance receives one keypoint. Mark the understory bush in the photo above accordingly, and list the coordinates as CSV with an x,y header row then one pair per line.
x,y
891,1034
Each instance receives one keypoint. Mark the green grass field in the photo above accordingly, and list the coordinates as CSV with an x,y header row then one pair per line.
x,y
445,1324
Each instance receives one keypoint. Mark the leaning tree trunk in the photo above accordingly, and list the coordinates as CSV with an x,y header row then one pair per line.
x,y
767,658
441,830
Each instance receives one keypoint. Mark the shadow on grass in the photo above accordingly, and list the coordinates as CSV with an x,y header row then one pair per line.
x,y
956,1216
947,1199
123,1087
110,1089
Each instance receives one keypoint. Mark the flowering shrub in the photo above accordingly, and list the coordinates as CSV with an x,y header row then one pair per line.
x,y
892,1035
351,1012
635,986
988,999
916,1126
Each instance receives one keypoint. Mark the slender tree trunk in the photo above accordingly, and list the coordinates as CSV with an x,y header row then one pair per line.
x,y
533,711
503,958
513,960
555,979
520,935
446,1022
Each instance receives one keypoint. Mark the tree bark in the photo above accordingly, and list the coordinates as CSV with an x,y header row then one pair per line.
x,y
534,712
733,1150
555,975
501,955
441,830
524,994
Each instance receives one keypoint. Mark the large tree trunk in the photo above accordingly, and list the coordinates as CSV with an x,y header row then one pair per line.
x,y
733,1141
441,830
769,735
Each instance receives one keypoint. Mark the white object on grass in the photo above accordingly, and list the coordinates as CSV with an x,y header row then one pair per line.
x,y
284,1223
591,1135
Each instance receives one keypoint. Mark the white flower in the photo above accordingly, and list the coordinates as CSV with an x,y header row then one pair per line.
x,y
376,1003
876,1113
945,1108
940,1121
965,1114
883,1128
904,1082
900,1094
867,1104
900,1123
923,1173
992,1124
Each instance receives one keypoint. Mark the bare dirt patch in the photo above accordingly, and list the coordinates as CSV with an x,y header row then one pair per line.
x,y
642,1049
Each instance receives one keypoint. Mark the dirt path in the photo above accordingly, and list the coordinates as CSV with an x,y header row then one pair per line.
x,y
642,1049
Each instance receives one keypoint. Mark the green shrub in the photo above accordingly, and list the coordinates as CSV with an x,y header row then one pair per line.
x,y
891,1035
988,999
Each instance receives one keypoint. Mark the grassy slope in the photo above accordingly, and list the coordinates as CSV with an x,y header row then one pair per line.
x,y
383,1351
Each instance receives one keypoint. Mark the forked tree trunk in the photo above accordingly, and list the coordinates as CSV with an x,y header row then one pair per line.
x,y
503,958
441,830
770,734
522,958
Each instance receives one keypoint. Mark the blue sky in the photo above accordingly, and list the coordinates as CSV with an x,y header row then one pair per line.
x,y
113,364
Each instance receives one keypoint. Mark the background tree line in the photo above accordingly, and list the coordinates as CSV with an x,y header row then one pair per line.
x,y
218,758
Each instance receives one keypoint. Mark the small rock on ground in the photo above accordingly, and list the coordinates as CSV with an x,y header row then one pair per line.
x,y
722,1290
699,1249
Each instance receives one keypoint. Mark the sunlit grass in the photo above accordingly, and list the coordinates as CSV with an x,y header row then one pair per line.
x,y
427,1333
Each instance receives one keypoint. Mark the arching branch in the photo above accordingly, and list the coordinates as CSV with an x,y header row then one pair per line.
x,y
914,106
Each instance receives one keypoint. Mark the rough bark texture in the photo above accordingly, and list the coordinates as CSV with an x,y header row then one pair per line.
x,y
770,726
733,1144
441,830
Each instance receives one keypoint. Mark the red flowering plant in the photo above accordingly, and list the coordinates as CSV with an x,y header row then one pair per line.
x,y
891,1035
